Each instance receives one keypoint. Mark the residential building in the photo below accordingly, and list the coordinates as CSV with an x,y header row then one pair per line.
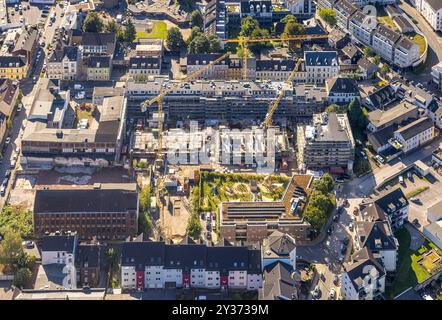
x,y
9,91
150,48
327,143
260,10
215,19
363,278
26,45
88,264
64,64
402,24
382,98
436,73
13,67
148,264
278,282
96,44
110,212
279,247
344,10
338,39
230,101
406,52
321,65
99,68
350,54
367,68
380,119
378,238
144,66
254,221
276,70
59,249
50,137
341,90
431,10
361,27
219,70
415,134
433,232
392,204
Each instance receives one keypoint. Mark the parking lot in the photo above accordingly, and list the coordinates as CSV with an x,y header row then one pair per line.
x,y
31,13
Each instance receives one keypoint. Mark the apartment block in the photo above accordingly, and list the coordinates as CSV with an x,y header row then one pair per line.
x,y
148,264
320,66
327,143
64,64
415,134
431,10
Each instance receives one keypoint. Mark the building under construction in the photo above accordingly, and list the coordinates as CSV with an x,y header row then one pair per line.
x,y
228,102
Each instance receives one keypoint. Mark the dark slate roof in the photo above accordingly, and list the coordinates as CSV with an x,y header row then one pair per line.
x,y
12,61
88,256
392,200
226,259
365,64
254,256
387,34
382,97
416,127
141,254
8,89
98,62
56,56
346,7
381,137
86,200
144,63
185,256
376,236
342,85
71,52
358,270
280,243
59,243
203,58
321,58
278,283
97,39
275,65
246,4
372,212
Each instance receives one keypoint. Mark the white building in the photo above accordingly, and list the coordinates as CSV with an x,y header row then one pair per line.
x,y
415,134
433,231
300,6
363,278
341,90
58,249
321,65
64,64
436,73
279,247
434,213
431,10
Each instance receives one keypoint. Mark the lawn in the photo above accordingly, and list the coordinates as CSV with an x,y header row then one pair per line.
x,y
159,31
219,187
409,271
416,192
386,20
420,40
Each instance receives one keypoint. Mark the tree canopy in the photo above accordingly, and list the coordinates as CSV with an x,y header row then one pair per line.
x,y
194,226
196,19
292,27
175,39
22,277
368,51
357,115
93,23
200,42
18,219
250,28
130,33
328,15
145,196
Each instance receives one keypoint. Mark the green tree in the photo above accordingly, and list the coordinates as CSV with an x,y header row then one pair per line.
x,y
175,39
292,27
22,278
248,25
357,115
130,33
17,219
11,249
385,69
145,224
368,51
113,27
325,184
92,23
194,226
316,217
200,44
196,199
194,32
377,60
9,123
329,16
196,19
145,196
214,43
321,201
111,256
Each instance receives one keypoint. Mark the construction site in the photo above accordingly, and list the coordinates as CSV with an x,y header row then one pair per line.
x,y
197,127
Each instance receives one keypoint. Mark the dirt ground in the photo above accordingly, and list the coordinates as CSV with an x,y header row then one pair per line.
x,y
175,221
23,192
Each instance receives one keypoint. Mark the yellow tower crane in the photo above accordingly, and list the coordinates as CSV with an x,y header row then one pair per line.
x,y
268,119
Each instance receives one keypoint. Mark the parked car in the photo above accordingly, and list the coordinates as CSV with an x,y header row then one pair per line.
x,y
28,244
20,106
350,226
346,241
7,173
332,293
13,163
2,190
316,292
336,218
401,179
335,279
